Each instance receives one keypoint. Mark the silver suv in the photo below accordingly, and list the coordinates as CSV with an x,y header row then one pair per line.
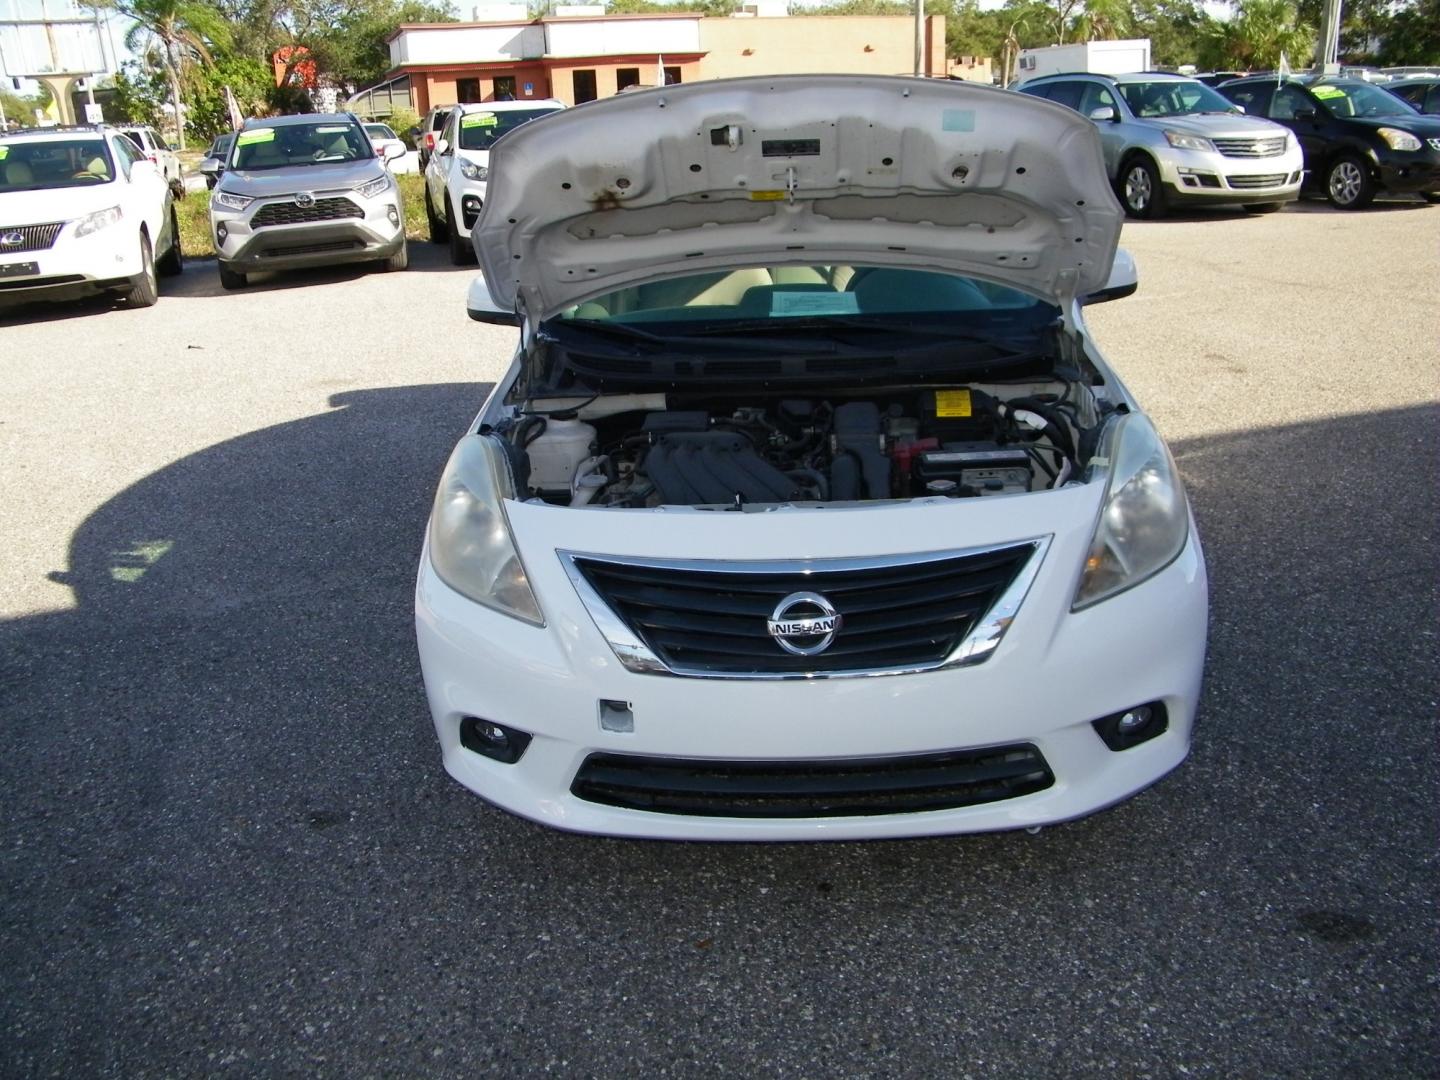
x,y
1171,140
305,191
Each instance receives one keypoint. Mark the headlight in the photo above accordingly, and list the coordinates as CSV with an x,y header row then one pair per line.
x,y
100,219
470,544
1397,139
471,171
1145,520
225,200
371,188
1181,141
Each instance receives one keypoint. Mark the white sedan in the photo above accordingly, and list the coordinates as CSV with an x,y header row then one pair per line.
x,y
808,508
389,147
83,212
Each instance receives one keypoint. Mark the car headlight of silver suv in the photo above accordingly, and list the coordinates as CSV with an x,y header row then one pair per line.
x,y
1182,141
100,219
471,547
228,200
371,188
471,171
1144,520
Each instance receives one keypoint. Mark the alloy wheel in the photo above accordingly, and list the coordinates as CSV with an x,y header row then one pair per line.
x,y
1346,181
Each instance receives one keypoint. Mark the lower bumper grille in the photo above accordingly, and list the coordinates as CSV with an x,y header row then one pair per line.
x,y
1245,183
8,284
799,789
311,249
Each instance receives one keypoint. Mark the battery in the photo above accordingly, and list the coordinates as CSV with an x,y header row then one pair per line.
x,y
985,468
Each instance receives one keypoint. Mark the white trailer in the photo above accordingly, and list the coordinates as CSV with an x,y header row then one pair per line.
x,y
1097,57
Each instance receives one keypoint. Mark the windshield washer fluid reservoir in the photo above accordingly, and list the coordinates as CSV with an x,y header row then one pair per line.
x,y
557,452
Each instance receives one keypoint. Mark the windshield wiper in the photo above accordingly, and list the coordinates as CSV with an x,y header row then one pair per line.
x,y
626,332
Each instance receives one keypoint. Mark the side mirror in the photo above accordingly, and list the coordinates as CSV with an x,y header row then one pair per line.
x,y
394,150
1304,114
442,147
1240,108
1123,280
1103,114
211,167
170,147
143,168
482,306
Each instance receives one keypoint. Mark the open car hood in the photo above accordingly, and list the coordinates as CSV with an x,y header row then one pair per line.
x,y
807,170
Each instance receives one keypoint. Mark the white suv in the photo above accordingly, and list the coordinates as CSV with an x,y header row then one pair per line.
x,y
808,507
82,212
459,169
160,152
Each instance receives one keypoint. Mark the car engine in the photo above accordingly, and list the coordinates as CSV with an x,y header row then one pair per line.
x,y
958,442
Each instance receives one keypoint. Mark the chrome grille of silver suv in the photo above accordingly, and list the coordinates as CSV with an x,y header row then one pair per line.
x,y
1251,148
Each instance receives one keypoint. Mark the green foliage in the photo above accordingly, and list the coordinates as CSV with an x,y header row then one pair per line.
x,y
249,80
1176,28
1412,35
1254,39
138,94
20,108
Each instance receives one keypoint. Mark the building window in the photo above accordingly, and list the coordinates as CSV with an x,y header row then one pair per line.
x,y
467,90
584,86
626,77
672,76
504,87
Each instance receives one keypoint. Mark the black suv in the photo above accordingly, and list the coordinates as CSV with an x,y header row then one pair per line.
x,y
1423,93
1358,140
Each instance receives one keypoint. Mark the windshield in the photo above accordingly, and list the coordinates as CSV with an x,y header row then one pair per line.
x,y
1173,99
299,144
31,166
479,130
379,131
1360,99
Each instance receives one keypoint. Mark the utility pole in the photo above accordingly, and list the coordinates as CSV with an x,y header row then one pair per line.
x,y
919,37
1327,49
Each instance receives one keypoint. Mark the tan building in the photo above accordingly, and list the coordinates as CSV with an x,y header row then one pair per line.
x,y
581,58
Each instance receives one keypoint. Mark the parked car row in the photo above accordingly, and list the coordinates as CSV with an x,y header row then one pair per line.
x,y
1257,141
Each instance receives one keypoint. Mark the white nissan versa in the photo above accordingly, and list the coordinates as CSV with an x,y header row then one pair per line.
x,y
808,509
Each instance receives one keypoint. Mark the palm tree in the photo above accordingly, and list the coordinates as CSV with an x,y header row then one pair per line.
x,y
177,33
1104,20
1263,29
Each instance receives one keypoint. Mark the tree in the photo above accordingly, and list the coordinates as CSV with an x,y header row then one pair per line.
x,y
1256,37
1412,35
1177,30
177,34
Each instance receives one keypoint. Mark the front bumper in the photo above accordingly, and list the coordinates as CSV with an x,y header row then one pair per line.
x,y
1053,674
70,268
1406,172
377,233
1196,176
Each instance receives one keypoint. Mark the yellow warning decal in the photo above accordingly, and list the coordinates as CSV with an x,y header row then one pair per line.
x,y
766,196
951,403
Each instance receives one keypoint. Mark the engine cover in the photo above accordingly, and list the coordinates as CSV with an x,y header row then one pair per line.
x,y
708,467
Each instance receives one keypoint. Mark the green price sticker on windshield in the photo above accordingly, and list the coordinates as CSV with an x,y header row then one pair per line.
x,y
1327,91
480,119
259,135
4,152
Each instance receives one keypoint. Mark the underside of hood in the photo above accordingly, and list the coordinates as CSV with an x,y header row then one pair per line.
x,y
805,170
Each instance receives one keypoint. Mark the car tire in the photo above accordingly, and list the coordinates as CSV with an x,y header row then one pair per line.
x,y
438,232
1348,184
173,262
1140,189
1263,208
399,261
230,279
461,253
1431,196
144,287
210,183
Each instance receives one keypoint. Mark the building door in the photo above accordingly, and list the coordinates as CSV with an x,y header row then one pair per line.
x,y
467,90
584,86
504,87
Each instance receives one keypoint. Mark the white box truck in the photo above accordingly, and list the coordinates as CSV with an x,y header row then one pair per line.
x,y
1097,57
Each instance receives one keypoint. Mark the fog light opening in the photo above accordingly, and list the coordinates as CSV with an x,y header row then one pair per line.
x,y
393,214
221,233
492,740
1135,725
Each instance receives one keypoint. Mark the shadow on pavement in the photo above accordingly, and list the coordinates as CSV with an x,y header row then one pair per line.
x,y
229,839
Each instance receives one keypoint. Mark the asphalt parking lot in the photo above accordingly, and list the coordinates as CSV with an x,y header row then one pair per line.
x,y
229,847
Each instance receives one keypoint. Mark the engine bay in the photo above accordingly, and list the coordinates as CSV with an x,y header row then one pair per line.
x,y
730,452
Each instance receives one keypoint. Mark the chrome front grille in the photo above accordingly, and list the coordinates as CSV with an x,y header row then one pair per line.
x,y
1251,148
30,237
1434,143
1246,183
292,213
714,619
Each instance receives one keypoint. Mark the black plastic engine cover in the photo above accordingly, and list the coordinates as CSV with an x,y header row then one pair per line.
x,y
707,467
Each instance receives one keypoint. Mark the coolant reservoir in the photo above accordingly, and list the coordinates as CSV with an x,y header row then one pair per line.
x,y
557,452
